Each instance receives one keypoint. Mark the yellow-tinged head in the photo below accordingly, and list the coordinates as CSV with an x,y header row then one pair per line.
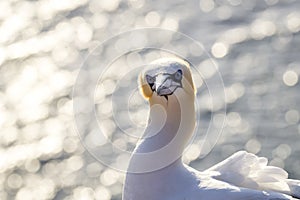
x,y
166,77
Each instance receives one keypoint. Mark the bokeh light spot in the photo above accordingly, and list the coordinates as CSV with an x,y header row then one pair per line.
x,y
207,5
253,146
109,177
14,181
290,78
109,5
219,50
293,22
283,151
207,68
32,165
233,119
292,117
136,4
152,18
262,28
102,193
224,12
83,193
170,23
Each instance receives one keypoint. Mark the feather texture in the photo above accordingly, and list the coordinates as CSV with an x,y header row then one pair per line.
x,y
247,170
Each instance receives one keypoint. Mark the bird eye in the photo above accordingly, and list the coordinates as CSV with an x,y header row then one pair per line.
x,y
178,75
150,79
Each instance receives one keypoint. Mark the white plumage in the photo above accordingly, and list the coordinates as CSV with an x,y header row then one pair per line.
x,y
156,171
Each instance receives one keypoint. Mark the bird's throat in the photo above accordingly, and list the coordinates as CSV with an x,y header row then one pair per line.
x,y
170,127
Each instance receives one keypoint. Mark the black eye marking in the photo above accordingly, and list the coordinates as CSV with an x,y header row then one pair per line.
x,y
150,81
178,75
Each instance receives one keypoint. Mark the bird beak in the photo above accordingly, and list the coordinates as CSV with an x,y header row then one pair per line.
x,y
164,85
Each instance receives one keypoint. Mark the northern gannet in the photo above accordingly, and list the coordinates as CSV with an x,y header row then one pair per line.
x,y
156,170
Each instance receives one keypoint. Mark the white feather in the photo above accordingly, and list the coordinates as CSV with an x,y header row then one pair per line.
x,y
252,172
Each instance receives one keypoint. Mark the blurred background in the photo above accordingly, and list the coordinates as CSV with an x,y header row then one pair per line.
x,y
255,45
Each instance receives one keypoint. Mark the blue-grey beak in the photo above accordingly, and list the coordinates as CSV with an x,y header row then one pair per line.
x,y
165,84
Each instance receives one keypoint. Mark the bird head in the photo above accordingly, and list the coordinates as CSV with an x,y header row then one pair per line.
x,y
167,78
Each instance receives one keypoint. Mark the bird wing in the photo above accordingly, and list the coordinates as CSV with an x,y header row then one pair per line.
x,y
294,187
247,170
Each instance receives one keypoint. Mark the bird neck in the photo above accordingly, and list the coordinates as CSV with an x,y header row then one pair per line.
x,y
169,120
171,125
